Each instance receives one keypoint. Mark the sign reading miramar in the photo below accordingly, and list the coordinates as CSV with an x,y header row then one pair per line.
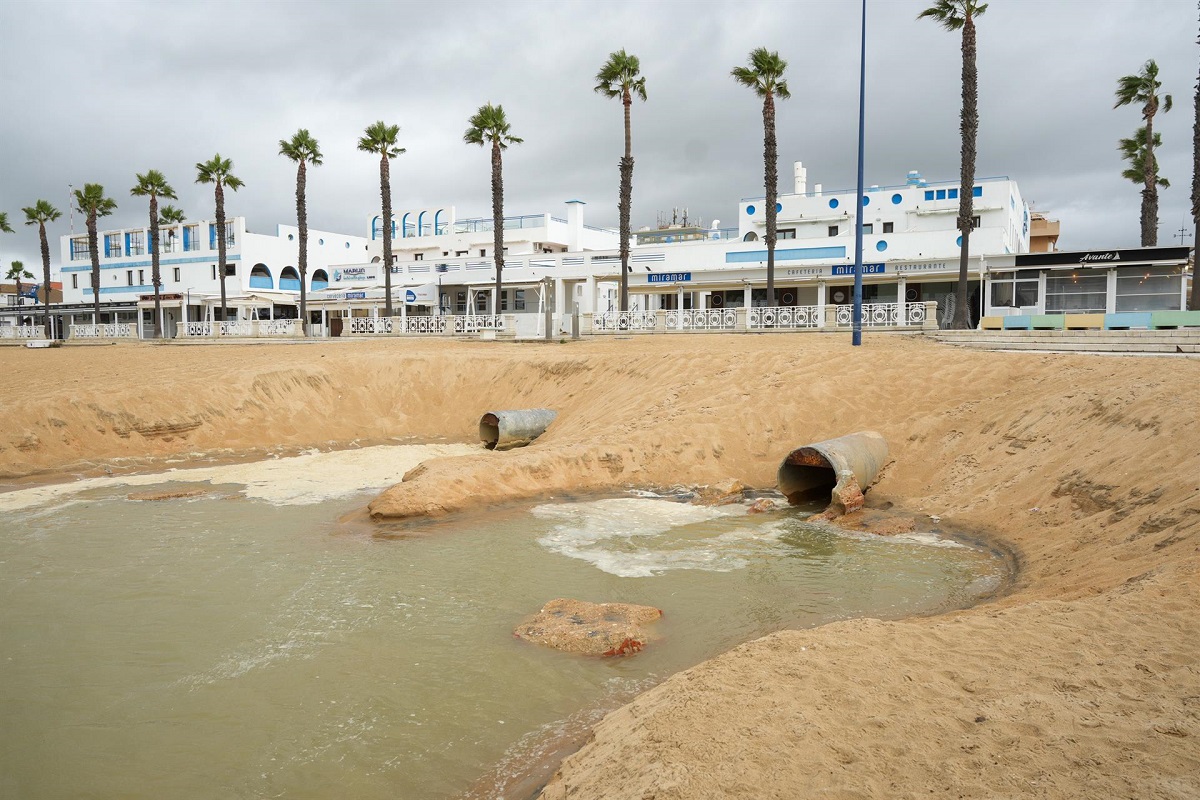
x,y
867,269
668,277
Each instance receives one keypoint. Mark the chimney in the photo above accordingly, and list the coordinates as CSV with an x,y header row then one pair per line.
x,y
575,225
817,190
801,178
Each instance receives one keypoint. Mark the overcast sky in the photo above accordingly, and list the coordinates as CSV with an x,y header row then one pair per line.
x,y
97,91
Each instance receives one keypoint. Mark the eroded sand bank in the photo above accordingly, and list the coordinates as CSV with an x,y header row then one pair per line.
x,y
1083,681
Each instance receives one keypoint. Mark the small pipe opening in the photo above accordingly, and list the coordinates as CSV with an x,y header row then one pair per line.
x,y
489,431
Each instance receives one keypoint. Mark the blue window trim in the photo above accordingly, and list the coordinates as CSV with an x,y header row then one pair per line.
x,y
164,263
787,254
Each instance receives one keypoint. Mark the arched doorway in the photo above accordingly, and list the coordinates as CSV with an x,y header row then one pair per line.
x,y
320,280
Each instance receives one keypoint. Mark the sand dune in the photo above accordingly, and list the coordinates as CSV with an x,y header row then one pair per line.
x,y
1082,681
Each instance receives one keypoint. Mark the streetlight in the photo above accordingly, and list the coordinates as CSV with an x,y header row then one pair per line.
x,y
440,269
856,337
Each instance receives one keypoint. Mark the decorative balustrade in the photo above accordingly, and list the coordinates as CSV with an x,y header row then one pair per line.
x,y
279,327
624,321
22,332
425,325
240,328
695,319
110,330
784,317
235,327
883,314
370,324
473,323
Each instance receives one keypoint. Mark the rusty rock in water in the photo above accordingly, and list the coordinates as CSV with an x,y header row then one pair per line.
x,y
598,629
172,494
724,493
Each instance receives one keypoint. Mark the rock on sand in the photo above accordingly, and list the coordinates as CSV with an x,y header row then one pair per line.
x,y
597,629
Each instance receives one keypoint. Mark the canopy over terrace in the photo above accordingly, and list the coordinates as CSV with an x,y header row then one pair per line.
x,y
258,304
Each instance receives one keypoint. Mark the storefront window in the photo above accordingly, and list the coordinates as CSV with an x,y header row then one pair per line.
x,y
1015,289
1149,289
1076,293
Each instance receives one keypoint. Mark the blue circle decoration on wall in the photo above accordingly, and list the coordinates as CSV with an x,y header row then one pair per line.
x,y
866,201
778,207
897,199
749,209
833,203
881,245
958,241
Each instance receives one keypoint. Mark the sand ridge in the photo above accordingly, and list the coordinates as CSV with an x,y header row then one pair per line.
x,y
1084,675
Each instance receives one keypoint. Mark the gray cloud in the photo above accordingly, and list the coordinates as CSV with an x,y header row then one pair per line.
x,y
97,91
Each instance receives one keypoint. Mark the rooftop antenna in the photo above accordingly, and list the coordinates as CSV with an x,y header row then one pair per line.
x,y
71,205
1183,232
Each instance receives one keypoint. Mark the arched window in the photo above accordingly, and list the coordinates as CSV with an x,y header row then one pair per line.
x,y
320,280
289,279
421,230
750,237
438,230
405,228
260,277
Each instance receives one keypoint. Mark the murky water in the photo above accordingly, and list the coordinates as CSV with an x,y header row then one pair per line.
x,y
243,644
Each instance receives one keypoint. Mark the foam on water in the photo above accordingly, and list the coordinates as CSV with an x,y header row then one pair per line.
x,y
639,537
307,479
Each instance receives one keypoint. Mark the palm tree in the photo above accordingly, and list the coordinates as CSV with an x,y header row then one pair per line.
x,y
170,215
304,150
154,185
381,138
1194,304
15,273
1142,89
1134,151
91,202
39,214
490,126
621,77
954,15
219,172
765,77
4,226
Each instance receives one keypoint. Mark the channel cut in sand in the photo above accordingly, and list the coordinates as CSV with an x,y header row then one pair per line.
x,y
1080,681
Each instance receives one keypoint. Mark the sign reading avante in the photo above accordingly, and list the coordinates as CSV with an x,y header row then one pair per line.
x,y
868,269
668,277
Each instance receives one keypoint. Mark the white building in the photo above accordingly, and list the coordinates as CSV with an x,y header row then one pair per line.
x,y
262,278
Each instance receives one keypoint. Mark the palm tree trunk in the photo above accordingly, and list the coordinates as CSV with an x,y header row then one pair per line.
x,y
970,131
94,252
45,273
497,221
1194,303
221,269
1150,177
385,190
154,273
302,223
771,181
625,201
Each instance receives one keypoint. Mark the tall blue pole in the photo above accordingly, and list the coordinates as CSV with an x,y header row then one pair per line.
x,y
858,217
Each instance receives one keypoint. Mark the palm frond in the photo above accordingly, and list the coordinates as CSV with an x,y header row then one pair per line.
x,y
40,213
489,125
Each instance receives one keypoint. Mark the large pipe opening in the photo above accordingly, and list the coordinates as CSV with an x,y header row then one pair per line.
x,y
502,430
841,469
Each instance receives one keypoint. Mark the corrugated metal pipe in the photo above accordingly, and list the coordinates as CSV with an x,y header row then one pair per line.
x,y
842,468
503,430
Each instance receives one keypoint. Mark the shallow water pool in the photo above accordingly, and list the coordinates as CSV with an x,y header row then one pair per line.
x,y
244,644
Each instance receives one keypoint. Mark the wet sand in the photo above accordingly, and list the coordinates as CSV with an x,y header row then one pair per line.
x,y
1080,681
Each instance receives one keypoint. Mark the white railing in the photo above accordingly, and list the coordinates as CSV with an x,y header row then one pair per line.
x,y
235,327
425,325
279,327
622,321
111,330
195,329
371,324
695,319
22,332
473,323
883,314
784,317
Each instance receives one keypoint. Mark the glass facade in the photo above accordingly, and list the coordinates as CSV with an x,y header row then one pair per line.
x,y
1149,289
1077,293
1015,289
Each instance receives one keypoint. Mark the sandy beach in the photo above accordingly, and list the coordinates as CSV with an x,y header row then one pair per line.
x,y
1081,681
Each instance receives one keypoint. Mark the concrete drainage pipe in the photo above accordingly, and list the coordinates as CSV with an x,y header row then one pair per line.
x,y
841,468
502,430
